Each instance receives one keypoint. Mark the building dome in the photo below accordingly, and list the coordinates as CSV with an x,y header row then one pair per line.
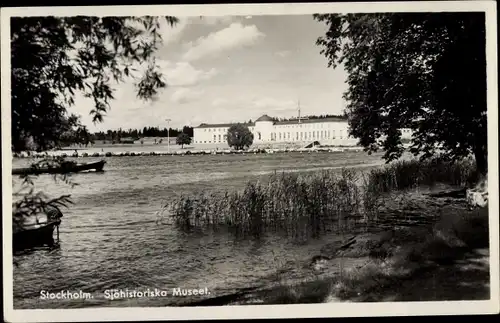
x,y
265,117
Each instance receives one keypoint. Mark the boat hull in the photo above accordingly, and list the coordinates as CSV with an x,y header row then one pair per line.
x,y
97,166
42,236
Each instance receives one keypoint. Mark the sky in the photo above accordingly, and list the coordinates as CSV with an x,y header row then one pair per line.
x,y
231,69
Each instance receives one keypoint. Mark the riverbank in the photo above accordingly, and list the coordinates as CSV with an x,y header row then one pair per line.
x,y
443,258
178,152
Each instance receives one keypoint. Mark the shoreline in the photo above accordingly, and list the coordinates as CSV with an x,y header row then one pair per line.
x,y
417,260
184,152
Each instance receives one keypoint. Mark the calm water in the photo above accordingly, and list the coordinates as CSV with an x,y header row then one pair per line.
x,y
111,239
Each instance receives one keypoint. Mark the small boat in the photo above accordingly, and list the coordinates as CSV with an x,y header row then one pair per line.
x,y
64,168
36,230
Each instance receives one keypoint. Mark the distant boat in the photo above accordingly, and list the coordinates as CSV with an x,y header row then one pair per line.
x,y
66,167
36,230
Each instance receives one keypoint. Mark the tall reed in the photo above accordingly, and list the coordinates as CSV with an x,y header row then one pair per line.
x,y
403,175
305,205
300,206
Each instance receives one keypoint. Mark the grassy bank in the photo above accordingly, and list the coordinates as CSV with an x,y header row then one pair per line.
x,y
305,205
447,261
410,174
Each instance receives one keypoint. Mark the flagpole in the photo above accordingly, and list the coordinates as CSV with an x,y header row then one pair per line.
x,y
168,135
299,109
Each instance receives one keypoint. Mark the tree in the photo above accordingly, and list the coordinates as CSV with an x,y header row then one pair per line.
x,y
239,136
424,71
54,57
79,136
188,130
183,139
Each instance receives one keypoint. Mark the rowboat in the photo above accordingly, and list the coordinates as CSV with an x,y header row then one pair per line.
x,y
36,230
64,168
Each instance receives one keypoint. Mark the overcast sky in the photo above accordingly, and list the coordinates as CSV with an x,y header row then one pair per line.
x,y
232,68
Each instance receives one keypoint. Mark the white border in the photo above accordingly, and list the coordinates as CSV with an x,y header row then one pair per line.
x,y
256,311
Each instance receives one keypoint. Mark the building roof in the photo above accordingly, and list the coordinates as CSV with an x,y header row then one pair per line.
x,y
315,120
284,122
220,125
265,117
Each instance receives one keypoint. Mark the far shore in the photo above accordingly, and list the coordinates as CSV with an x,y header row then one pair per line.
x,y
133,151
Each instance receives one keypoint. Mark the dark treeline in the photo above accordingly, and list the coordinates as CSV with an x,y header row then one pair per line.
x,y
116,135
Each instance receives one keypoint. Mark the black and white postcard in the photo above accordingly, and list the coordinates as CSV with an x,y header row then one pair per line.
x,y
204,161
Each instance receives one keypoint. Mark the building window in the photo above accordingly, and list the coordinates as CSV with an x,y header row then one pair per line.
x,y
288,136
297,136
301,135
280,135
340,134
219,138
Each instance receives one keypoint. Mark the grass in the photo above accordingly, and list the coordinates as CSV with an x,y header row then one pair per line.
x,y
301,206
310,204
410,174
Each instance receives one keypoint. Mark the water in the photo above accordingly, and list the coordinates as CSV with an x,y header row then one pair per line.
x,y
111,239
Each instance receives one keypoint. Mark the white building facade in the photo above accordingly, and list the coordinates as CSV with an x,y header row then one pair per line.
x,y
332,131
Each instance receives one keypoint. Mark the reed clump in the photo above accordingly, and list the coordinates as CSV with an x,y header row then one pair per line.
x,y
305,205
299,205
403,175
